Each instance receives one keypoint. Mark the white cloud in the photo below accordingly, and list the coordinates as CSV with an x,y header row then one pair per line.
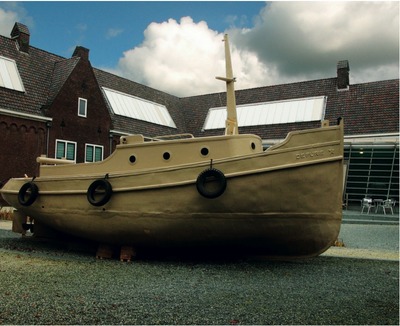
x,y
113,32
10,13
183,58
7,21
306,39
81,27
290,41
177,57
384,72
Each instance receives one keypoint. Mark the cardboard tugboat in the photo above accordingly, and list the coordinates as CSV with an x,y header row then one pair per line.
x,y
210,193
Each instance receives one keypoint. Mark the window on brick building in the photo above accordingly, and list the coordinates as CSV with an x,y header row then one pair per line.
x,y
65,150
137,108
269,113
93,153
82,107
9,75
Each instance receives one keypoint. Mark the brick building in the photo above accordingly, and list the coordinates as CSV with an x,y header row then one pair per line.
x,y
64,107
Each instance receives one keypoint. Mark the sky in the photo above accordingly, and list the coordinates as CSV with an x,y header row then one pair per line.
x,y
176,46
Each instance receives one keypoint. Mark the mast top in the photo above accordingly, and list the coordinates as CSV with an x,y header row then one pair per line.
x,y
231,125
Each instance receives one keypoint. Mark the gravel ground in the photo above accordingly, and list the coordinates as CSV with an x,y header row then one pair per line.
x,y
368,242
49,283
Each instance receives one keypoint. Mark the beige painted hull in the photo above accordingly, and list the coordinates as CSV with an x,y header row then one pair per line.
x,y
286,201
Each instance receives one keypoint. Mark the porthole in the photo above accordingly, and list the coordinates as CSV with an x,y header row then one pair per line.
x,y
132,159
204,151
253,146
166,156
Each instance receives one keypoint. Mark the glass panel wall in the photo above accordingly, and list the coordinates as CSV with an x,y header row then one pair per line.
x,y
373,171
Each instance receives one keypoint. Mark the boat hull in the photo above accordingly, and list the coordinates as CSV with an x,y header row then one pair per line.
x,y
287,210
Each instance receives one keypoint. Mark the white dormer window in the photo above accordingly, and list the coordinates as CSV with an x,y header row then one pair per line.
x,y
137,108
82,107
9,75
269,113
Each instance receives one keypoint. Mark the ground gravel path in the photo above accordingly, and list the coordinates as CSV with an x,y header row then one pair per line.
x,y
42,283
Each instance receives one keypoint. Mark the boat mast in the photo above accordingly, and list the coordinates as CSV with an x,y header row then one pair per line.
x,y
231,125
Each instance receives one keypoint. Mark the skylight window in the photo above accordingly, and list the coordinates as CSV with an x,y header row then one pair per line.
x,y
268,113
137,108
9,75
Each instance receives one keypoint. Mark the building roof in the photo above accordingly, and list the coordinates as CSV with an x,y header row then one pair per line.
x,y
62,69
367,108
37,73
129,125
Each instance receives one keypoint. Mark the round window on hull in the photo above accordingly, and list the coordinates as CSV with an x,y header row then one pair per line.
x,y
132,159
204,151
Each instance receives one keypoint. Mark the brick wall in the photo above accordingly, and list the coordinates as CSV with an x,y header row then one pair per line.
x,y
21,142
67,125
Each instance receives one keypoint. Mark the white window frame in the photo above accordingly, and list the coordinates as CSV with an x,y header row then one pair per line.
x,y
9,75
137,108
269,113
94,152
79,107
66,142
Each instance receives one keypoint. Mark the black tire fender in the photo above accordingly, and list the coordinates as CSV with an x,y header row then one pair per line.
x,y
28,194
211,183
99,192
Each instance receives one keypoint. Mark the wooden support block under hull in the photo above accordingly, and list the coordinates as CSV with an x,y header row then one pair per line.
x,y
127,253
104,252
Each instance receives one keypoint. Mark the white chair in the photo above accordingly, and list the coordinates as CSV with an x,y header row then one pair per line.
x,y
366,203
388,204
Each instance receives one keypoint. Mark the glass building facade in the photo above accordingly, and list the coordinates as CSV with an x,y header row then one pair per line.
x,y
372,170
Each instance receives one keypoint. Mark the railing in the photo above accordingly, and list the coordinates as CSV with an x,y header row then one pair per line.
x,y
52,161
171,137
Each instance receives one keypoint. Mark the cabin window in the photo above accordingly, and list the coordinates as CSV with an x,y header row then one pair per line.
x,y
65,150
93,153
82,107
